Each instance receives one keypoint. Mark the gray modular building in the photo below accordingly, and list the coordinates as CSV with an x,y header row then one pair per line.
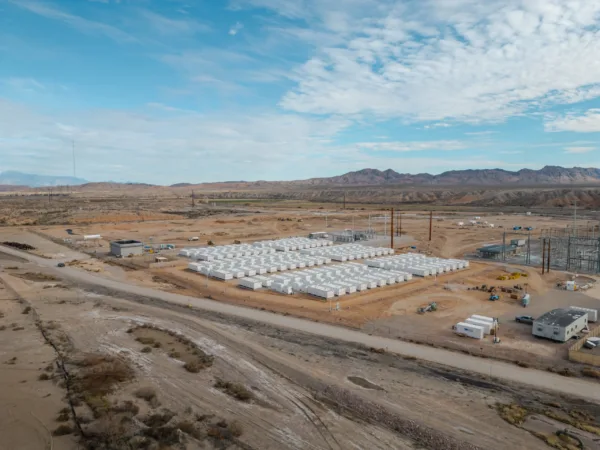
x,y
560,324
126,248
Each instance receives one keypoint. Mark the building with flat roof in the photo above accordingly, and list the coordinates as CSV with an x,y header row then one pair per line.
x,y
496,251
560,324
126,247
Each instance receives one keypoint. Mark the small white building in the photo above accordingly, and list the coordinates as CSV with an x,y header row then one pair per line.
x,y
560,324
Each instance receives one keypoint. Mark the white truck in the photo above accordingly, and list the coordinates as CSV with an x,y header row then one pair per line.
x,y
194,238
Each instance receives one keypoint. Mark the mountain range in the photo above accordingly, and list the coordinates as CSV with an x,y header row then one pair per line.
x,y
14,178
548,175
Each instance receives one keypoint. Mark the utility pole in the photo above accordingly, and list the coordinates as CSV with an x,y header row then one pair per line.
x,y
392,229
543,255
344,201
400,221
74,165
548,267
575,219
430,223
193,199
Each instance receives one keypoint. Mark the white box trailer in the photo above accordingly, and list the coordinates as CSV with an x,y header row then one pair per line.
x,y
487,326
592,313
467,329
221,274
483,318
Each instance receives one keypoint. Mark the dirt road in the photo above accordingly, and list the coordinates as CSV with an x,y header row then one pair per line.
x,y
539,379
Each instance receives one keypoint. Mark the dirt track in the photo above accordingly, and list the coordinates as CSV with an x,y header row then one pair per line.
x,y
539,379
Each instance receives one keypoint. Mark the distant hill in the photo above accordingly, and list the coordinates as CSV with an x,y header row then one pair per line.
x,y
550,175
14,178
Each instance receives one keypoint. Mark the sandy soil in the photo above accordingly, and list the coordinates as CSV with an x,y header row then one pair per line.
x,y
303,395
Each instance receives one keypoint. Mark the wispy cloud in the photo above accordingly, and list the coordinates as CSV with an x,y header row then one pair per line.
x,y
414,146
588,122
236,28
168,26
422,61
510,152
578,150
23,84
481,133
77,22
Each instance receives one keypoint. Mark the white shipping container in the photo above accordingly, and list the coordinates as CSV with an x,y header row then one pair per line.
x,y
592,313
483,318
487,326
250,283
469,330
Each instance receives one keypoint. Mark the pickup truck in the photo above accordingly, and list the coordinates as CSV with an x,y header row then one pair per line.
x,y
525,319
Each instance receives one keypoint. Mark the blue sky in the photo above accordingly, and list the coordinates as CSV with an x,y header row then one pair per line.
x,y
167,91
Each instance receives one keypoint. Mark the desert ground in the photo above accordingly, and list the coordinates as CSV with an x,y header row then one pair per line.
x,y
91,370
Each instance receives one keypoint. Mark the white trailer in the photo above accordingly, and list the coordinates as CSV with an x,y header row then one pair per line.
x,y
466,329
483,318
487,326
592,313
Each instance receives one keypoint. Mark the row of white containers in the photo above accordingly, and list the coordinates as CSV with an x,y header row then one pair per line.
x,y
418,264
291,244
349,252
250,266
327,282
256,249
475,326
224,252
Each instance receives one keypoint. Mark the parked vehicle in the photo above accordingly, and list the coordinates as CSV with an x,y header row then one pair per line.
x,y
60,265
525,319
194,238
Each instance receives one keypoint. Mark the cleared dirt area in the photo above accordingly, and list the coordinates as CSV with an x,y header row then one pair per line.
x,y
303,389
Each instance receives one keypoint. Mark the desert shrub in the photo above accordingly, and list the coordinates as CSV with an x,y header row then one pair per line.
x,y
146,393
157,345
235,390
513,413
126,406
62,430
193,367
174,354
236,428
145,340
100,374
44,377
522,364
159,419
27,310
63,416
18,328
146,349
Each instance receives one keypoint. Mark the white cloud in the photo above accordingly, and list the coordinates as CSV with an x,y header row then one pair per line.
x,y
170,144
436,60
578,150
236,28
79,23
510,152
481,133
28,85
589,122
167,26
415,146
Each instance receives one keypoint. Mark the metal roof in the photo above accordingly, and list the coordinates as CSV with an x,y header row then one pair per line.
x,y
559,317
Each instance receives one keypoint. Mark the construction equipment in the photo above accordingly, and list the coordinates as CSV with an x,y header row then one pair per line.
x,y
494,297
431,307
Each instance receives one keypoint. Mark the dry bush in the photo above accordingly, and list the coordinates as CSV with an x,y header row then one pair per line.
x,y
18,328
100,374
126,406
513,413
146,350
174,354
146,393
164,435
157,345
3,327
589,372
159,419
62,430
193,367
190,428
63,416
236,428
145,340
44,377
27,310
235,390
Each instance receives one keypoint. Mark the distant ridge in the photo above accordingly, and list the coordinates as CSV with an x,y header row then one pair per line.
x,y
14,178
